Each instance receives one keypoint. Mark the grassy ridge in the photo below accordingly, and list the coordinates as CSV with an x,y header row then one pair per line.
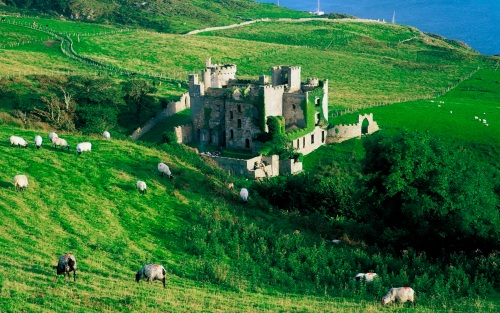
x,y
364,66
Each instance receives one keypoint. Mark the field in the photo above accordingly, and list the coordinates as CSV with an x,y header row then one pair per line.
x,y
222,255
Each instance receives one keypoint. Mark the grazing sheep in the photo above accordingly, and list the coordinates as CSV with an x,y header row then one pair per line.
x,y
368,277
52,136
230,186
20,182
83,146
475,117
59,142
164,169
152,272
67,264
106,135
401,295
244,194
141,186
38,141
18,141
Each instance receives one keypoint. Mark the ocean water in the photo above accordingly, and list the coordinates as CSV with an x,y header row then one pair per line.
x,y
475,22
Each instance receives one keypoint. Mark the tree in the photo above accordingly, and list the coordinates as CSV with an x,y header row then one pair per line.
x,y
423,192
138,95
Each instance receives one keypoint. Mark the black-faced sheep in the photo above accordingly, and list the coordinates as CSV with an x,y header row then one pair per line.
x,y
18,141
38,141
400,295
67,264
141,186
244,194
20,182
164,169
368,277
151,272
83,146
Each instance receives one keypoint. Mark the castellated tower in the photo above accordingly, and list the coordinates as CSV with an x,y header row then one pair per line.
x,y
218,76
286,75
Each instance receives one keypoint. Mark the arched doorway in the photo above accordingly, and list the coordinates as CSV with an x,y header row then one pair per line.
x,y
247,143
364,126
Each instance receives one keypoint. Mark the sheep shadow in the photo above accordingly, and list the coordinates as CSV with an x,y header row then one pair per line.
x,y
126,187
4,184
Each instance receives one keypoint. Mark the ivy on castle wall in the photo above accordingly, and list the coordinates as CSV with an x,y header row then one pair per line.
x,y
310,110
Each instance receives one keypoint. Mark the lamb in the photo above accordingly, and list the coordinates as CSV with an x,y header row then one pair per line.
x,y
141,186
83,146
52,136
152,272
67,264
20,182
18,141
38,141
230,186
59,142
401,294
244,194
368,277
106,135
164,169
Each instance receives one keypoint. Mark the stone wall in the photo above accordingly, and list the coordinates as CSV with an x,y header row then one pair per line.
x,y
184,133
172,108
343,132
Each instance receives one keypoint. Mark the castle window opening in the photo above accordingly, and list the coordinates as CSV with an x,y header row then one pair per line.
x,y
322,136
298,143
317,102
239,108
304,142
293,107
312,138
239,123
231,134
247,143
231,115
364,126
318,118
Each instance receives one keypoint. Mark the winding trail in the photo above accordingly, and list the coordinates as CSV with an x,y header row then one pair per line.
x,y
300,20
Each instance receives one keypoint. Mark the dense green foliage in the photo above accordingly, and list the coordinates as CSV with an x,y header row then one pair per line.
x,y
424,193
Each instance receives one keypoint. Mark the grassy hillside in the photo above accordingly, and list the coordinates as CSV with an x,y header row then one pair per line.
x,y
88,205
173,16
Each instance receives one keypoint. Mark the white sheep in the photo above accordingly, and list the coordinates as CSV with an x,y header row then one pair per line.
x,y
152,272
67,264
20,182
141,186
401,295
52,136
18,141
38,141
244,194
475,117
368,277
164,169
106,135
83,146
59,142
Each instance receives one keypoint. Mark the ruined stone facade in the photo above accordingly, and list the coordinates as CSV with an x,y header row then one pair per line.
x,y
365,125
231,113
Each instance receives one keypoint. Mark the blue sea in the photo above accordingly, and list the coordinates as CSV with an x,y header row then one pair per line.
x,y
475,22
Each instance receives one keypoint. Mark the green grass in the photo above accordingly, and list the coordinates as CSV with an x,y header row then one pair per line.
x,y
477,96
88,205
